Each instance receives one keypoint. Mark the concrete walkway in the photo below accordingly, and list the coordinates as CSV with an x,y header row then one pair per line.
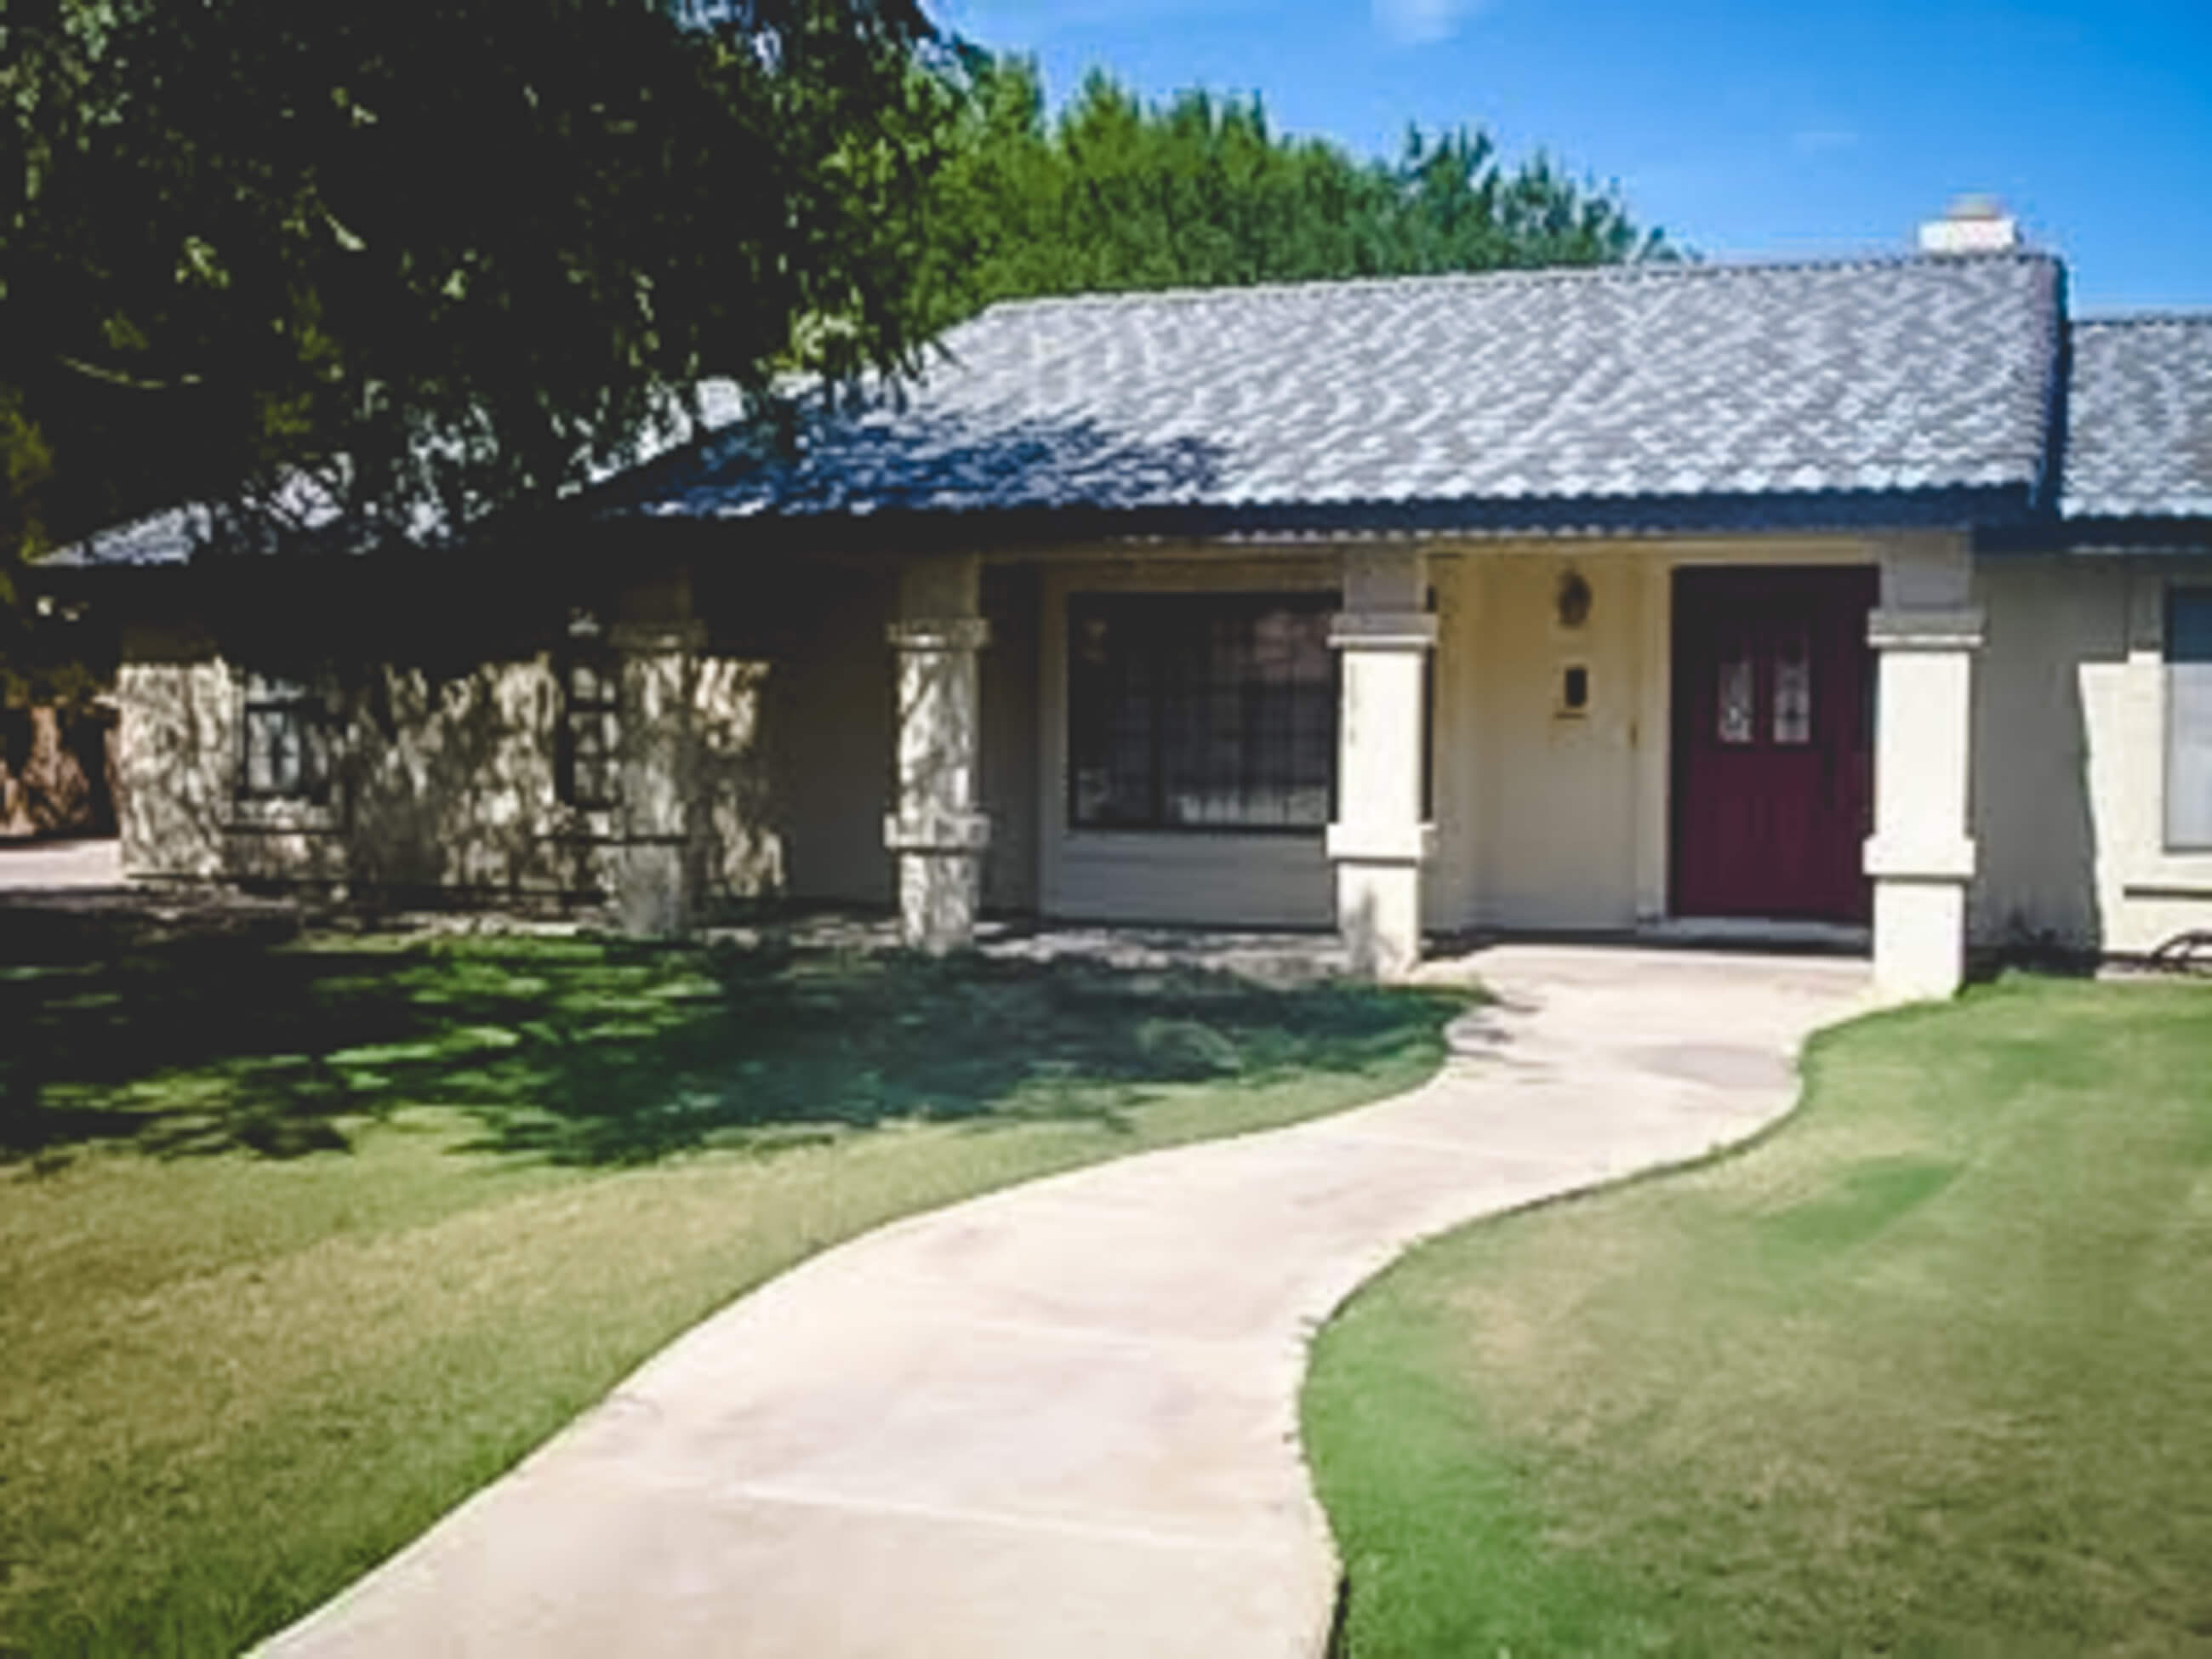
x,y
1061,1420
60,866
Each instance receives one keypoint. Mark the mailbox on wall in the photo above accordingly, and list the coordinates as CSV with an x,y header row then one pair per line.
x,y
1571,699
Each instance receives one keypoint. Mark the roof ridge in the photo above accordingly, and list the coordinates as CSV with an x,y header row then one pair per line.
x,y
1626,271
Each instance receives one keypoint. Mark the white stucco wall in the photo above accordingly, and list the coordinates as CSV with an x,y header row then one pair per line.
x,y
2069,757
1544,808
1547,820
1544,820
833,740
1012,741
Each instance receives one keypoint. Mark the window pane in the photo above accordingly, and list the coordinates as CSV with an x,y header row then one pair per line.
x,y
593,684
1202,711
1793,690
290,765
593,764
1735,714
589,772
2189,717
284,741
260,764
1110,718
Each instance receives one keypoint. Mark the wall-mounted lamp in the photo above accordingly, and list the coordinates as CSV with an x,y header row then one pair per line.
x,y
1572,602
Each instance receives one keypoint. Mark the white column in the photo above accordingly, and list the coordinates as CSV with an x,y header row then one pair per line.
x,y
935,829
1379,841
1921,857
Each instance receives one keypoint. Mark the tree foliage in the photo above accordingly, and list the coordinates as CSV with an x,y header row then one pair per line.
x,y
1114,194
436,256
425,259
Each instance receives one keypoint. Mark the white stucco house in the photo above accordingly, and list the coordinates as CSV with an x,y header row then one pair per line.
x,y
1868,597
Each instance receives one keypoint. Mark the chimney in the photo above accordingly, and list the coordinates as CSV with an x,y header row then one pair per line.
x,y
1973,224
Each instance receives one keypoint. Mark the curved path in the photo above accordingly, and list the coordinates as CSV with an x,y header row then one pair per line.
x,y
1061,1419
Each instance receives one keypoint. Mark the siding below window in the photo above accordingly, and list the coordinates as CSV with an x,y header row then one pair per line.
x,y
1200,881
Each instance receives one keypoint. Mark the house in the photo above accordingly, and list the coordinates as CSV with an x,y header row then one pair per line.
x,y
1868,599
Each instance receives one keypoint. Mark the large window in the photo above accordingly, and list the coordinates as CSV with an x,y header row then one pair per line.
x,y
285,731
1201,711
2189,719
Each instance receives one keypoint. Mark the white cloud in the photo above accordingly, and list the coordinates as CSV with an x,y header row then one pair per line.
x,y
1416,22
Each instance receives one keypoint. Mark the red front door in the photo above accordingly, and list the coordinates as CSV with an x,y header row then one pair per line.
x,y
1773,719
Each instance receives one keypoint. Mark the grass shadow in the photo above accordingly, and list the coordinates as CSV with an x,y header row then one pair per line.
x,y
201,1038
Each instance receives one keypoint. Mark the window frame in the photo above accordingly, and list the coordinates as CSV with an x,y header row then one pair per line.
x,y
586,649
305,698
1191,603
2169,787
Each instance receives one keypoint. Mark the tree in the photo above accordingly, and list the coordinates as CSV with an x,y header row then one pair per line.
x,y
425,259
1200,191
422,260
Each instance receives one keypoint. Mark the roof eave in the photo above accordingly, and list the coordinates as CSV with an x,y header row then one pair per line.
x,y
1611,517
2163,534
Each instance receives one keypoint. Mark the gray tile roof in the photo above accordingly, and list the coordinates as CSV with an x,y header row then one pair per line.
x,y
300,516
1647,398
1610,386
2139,419
159,539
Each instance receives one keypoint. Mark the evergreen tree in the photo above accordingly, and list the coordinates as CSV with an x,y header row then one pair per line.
x,y
1200,191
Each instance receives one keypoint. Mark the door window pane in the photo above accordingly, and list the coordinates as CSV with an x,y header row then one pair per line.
x,y
2189,717
1736,716
1793,688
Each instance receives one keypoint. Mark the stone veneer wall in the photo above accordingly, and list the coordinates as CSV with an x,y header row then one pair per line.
x,y
444,753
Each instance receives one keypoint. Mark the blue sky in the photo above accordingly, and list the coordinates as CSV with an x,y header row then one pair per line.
x,y
1744,128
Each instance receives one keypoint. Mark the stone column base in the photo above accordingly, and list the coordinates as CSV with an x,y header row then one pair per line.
x,y
940,877
1378,916
939,894
1378,894
652,889
1919,938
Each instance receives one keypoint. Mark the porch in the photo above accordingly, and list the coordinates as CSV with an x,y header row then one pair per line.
x,y
1757,742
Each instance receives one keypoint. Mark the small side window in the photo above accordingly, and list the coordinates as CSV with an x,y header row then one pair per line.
x,y
1793,688
2189,719
286,740
589,773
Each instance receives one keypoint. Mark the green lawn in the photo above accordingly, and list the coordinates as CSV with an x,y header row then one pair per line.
x,y
301,1239
1928,1371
